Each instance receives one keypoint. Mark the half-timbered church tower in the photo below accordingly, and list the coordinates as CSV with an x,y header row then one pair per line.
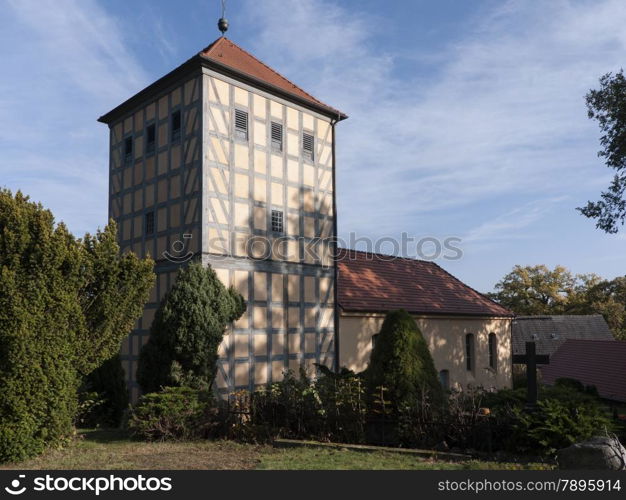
x,y
225,160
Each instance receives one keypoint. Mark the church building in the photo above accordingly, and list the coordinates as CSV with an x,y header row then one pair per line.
x,y
468,334
225,161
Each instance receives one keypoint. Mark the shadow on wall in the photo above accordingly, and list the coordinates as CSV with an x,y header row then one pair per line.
x,y
281,327
446,340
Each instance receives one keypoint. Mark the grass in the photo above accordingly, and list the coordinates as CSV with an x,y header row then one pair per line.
x,y
323,459
109,450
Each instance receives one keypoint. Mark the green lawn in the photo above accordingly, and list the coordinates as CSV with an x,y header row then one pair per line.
x,y
109,449
318,459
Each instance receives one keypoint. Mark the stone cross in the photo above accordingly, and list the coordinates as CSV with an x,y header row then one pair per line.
x,y
531,359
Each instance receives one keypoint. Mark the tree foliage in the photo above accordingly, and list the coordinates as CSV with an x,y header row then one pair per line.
x,y
51,334
536,290
529,290
607,105
187,330
112,296
402,363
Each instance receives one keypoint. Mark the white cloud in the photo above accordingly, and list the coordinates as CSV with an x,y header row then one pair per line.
x,y
65,62
504,117
435,137
510,225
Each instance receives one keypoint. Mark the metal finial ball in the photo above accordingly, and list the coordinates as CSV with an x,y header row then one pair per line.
x,y
222,25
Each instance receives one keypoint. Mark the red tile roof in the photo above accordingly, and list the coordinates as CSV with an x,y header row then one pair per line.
x,y
380,283
593,362
224,56
224,51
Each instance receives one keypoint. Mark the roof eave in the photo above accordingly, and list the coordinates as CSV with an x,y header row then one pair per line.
x,y
185,69
429,313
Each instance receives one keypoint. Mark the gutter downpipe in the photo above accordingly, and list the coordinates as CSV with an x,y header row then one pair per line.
x,y
335,249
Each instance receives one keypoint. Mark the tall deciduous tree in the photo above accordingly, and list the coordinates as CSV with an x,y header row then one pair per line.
x,y
607,105
187,330
535,290
529,290
55,291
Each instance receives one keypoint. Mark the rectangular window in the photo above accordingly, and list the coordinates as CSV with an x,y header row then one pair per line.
x,y
308,144
241,124
277,221
176,126
150,138
150,223
277,136
444,379
128,149
469,351
493,351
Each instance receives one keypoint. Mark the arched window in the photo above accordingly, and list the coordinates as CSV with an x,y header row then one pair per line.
x,y
444,379
469,351
493,351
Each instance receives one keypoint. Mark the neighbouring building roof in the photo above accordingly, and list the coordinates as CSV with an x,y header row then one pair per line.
x,y
381,283
549,332
601,363
226,57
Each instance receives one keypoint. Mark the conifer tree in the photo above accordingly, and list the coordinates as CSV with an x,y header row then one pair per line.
x,y
187,330
402,363
65,306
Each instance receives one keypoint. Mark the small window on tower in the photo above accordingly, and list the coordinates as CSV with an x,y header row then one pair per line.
x,y
308,146
277,136
241,124
150,223
277,221
176,121
150,138
128,149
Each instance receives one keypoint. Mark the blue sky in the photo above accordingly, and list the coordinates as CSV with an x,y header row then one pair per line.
x,y
467,118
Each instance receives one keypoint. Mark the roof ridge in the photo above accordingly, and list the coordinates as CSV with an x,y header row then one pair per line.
x,y
214,44
412,259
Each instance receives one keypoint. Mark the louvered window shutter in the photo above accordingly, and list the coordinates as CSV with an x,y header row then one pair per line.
x,y
277,136
241,124
308,145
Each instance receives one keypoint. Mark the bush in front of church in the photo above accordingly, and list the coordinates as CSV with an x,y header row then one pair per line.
x,y
187,330
174,414
65,306
402,364
566,413
555,425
